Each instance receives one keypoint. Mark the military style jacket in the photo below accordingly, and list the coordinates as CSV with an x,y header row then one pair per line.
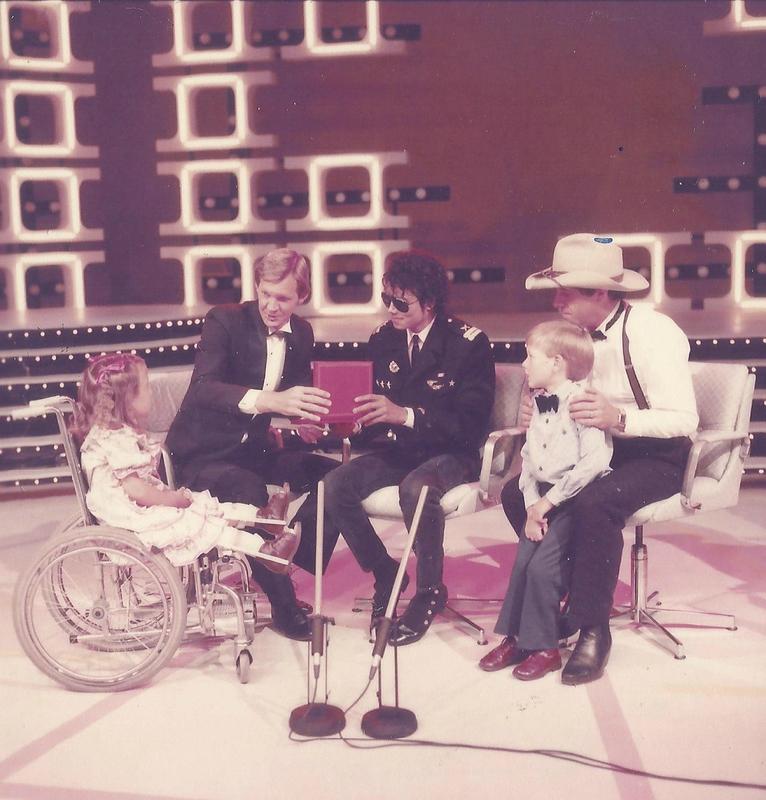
x,y
451,389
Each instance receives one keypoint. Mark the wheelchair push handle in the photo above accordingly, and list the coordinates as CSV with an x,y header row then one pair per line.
x,y
45,405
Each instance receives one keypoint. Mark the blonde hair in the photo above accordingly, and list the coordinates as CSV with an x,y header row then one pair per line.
x,y
278,264
109,384
571,342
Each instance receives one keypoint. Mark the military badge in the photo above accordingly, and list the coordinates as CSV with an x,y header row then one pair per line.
x,y
393,367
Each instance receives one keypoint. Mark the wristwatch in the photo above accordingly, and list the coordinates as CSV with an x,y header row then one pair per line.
x,y
621,419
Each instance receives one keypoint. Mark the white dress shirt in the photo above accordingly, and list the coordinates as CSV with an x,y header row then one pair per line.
x,y
276,348
659,351
562,452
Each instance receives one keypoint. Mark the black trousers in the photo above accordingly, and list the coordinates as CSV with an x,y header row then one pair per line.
x,y
644,470
347,486
244,480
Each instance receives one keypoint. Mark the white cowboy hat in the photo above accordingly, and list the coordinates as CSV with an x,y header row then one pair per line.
x,y
587,261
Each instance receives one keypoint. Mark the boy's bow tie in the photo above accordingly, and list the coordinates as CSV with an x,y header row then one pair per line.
x,y
547,402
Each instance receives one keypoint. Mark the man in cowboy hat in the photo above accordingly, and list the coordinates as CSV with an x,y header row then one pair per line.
x,y
641,392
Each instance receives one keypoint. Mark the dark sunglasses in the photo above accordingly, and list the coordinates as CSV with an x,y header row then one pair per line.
x,y
400,305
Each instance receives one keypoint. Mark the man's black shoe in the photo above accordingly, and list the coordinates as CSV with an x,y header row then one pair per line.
x,y
291,622
589,657
420,613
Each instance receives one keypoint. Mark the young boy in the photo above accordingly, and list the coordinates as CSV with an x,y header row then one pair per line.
x,y
559,458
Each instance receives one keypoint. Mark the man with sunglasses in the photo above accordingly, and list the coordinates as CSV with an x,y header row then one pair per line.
x,y
434,388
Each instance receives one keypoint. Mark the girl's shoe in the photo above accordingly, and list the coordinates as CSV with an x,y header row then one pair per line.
x,y
283,547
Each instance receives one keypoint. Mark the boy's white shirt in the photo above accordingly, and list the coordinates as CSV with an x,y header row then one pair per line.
x,y
562,452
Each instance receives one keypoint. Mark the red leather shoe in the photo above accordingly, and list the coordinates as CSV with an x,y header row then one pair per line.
x,y
506,654
539,663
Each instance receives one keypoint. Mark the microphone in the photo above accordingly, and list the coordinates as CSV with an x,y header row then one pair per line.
x,y
317,622
381,639
317,642
384,626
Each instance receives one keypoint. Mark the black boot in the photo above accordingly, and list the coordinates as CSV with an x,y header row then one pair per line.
x,y
420,613
287,618
589,656
384,583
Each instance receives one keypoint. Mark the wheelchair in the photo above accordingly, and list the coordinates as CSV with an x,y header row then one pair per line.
x,y
97,610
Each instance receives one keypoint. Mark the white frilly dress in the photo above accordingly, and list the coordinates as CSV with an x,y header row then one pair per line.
x,y
109,456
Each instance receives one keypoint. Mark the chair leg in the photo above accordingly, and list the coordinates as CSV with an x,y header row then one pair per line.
x,y
363,603
642,611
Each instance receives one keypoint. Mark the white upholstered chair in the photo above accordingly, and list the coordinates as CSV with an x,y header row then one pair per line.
x,y
712,479
498,460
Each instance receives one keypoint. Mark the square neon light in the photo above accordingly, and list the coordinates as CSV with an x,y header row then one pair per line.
x,y
63,101
189,176
185,94
313,32
69,185
182,44
57,10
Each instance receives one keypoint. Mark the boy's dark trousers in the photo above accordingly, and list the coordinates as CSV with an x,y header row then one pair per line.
x,y
644,470
539,579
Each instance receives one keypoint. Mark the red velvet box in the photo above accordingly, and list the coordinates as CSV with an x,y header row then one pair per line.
x,y
344,380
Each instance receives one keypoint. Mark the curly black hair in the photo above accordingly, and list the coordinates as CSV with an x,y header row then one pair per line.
x,y
422,274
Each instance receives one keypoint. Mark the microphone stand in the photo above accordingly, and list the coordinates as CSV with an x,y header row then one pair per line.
x,y
392,722
317,719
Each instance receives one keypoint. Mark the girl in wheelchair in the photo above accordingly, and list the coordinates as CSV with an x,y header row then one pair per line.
x,y
121,462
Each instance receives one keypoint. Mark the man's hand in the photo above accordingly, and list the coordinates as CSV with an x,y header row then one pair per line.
x,y
310,434
525,412
374,408
305,402
594,410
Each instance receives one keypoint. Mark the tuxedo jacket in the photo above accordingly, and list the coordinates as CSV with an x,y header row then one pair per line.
x,y
230,360
451,388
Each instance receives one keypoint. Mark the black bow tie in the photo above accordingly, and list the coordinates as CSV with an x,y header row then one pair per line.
x,y
547,402
597,336
279,334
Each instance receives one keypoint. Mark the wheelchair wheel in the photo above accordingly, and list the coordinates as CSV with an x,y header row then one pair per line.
x,y
98,611
75,520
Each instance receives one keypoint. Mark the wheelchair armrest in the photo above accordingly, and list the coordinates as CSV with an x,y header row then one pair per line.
x,y
495,440
692,461
170,476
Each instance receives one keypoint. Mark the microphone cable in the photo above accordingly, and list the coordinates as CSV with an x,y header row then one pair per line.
x,y
359,743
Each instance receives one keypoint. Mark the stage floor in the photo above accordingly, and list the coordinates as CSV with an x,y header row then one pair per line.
x,y
196,733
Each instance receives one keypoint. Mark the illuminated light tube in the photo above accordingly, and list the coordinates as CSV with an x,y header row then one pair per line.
x,y
63,60
64,96
72,265
317,168
318,254
182,44
738,242
189,173
191,259
183,51
69,181
313,45
738,20
657,244
186,87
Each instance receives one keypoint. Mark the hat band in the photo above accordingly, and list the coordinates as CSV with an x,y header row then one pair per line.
x,y
553,274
